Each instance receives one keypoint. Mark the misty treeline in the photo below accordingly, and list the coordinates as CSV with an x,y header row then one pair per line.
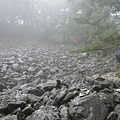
x,y
98,20
60,20
35,19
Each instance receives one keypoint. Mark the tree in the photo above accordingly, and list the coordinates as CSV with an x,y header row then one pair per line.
x,y
95,18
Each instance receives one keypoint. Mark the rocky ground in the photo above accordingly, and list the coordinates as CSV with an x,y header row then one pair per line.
x,y
49,83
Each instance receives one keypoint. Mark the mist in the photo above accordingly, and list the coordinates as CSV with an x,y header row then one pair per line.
x,y
44,20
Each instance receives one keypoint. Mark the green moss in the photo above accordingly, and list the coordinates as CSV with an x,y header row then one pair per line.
x,y
111,37
104,43
75,51
118,74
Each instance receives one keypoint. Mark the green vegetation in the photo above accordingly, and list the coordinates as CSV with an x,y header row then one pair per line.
x,y
104,43
118,74
112,37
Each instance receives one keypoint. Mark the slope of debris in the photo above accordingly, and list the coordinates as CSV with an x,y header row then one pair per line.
x,y
53,84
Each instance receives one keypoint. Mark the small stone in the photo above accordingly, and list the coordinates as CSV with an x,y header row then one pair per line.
x,y
4,68
16,67
28,110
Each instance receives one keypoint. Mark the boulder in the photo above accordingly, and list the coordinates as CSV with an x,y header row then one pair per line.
x,y
45,113
89,107
48,86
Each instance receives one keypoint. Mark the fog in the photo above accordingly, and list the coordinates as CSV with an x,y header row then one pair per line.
x,y
58,61
34,20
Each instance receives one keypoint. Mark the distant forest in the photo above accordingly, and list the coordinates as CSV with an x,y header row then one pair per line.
x,y
61,20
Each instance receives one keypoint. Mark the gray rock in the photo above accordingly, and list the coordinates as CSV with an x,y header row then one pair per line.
x,y
59,98
2,87
39,74
16,67
45,112
4,68
48,86
113,116
116,98
28,111
33,98
89,108
36,91
30,59
31,69
64,112
13,117
117,109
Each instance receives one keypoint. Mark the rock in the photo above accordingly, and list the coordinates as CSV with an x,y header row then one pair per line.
x,y
116,98
33,98
96,88
37,105
45,112
89,107
54,70
116,83
117,109
70,96
103,84
39,74
21,116
30,59
59,98
28,111
36,91
106,98
11,106
21,96
112,116
31,69
64,112
4,68
13,117
16,67
48,86
2,87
